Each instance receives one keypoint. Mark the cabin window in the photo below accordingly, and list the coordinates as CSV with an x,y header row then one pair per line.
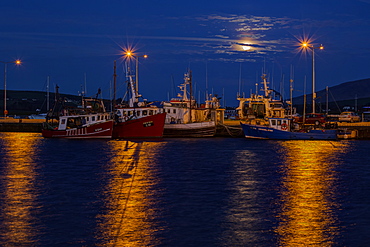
x,y
63,121
169,111
174,110
278,122
145,113
277,113
87,119
138,113
98,118
93,118
150,112
273,122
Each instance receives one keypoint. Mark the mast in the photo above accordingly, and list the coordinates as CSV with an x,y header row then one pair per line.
x,y
134,94
206,81
304,101
85,89
265,87
240,80
313,80
114,85
191,93
291,90
47,95
327,100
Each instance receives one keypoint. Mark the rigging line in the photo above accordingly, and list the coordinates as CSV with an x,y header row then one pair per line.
x,y
335,101
124,170
332,144
229,131
136,155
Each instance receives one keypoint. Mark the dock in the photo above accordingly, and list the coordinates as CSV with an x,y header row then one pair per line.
x,y
358,130
230,128
21,125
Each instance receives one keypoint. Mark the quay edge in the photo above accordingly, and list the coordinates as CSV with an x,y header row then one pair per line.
x,y
21,125
230,128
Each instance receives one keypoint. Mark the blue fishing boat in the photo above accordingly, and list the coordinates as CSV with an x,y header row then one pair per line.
x,y
285,129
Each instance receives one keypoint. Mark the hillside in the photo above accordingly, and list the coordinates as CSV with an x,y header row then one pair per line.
x,y
354,94
27,102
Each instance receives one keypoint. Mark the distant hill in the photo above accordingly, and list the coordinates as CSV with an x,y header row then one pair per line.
x,y
355,94
27,102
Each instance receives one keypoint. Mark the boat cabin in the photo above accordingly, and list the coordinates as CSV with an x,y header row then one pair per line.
x,y
78,121
124,114
280,123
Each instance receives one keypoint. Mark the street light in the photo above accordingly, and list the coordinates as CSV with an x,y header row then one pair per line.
x,y
130,54
17,62
305,45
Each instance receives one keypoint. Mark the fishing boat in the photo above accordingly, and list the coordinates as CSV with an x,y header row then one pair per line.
x,y
258,107
90,120
286,129
186,119
264,117
137,119
138,122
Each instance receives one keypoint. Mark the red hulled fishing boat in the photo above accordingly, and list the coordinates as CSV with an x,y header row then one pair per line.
x,y
137,119
90,120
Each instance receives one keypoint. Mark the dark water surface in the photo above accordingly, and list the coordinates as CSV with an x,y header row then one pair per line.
x,y
183,192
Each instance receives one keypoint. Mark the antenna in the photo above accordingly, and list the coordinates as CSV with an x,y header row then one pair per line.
x,y
240,79
85,90
47,94
291,88
206,81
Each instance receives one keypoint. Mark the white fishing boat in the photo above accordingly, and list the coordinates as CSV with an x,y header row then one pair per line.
x,y
186,119
258,107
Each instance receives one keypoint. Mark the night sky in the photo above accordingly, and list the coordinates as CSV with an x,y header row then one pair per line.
x,y
69,41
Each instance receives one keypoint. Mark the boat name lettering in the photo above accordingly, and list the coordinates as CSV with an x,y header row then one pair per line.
x,y
148,124
268,130
100,129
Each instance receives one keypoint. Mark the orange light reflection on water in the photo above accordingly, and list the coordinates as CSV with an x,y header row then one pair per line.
x,y
18,183
130,201
306,217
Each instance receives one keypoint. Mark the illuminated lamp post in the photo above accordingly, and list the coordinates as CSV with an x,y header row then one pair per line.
x,y
308,46
17,62
129,54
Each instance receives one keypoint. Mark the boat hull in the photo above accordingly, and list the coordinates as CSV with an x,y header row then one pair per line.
x,y
202,129
99,130
145,127
264,132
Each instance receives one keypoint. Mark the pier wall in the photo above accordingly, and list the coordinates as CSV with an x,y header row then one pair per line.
x,y
21,125
360,130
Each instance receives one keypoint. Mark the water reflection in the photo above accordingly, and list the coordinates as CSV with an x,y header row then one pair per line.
x,y
130,218
18,192
246,203
308,191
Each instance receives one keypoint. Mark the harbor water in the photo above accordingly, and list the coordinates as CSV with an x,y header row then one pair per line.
x,y
183,192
